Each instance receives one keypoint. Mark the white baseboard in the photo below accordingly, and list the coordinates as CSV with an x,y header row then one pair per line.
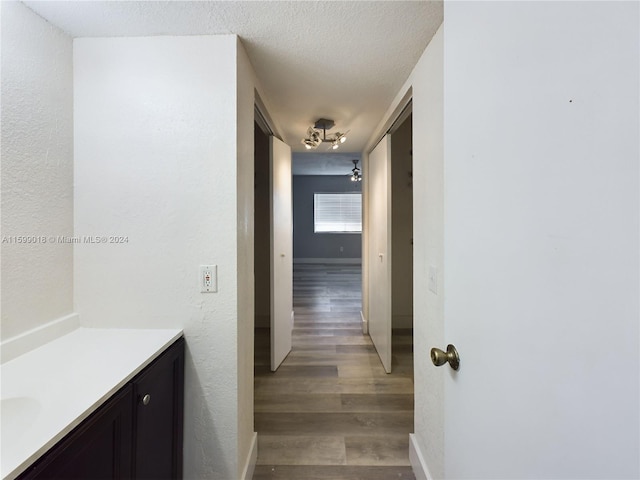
x,y
418,463
25,342
348,261
252,459
365,324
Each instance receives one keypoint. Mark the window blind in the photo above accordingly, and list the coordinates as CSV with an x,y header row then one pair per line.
x,y
337,212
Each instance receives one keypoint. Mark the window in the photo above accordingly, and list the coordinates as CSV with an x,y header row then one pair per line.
x,y
337,212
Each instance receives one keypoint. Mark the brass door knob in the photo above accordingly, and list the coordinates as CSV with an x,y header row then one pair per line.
x,y
438,357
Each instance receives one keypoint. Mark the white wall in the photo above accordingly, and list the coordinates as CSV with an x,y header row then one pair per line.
x,y
160,160
425,85
542,248
37,170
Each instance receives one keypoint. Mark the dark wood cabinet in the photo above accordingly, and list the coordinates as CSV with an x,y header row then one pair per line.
x,y
136,434
158,417
100,448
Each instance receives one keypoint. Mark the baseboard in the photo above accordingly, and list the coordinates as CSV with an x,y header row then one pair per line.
x,y
418,463
252,459
25,342
347,261
365,324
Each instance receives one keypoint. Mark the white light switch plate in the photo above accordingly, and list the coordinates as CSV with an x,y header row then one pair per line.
x,y
208,278
433,279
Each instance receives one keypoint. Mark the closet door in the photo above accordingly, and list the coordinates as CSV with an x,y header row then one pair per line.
x,y
379,178
281,252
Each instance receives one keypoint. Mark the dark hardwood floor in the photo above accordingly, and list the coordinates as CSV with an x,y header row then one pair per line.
x,y
330,411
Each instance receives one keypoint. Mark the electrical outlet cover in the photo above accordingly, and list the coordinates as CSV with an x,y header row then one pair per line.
x,y
208,277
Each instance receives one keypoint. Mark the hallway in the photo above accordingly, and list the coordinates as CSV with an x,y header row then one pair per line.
x,y
330,411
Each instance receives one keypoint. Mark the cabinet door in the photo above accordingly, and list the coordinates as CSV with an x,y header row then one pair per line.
x,y
158,392
100,448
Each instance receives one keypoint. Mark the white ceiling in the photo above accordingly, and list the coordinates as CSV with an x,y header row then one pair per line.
x,y
343,60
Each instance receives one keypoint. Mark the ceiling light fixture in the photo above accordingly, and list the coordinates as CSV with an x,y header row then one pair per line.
x,y
313,138
356,176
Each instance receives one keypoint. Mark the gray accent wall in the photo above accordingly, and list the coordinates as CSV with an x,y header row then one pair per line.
x,y
309,245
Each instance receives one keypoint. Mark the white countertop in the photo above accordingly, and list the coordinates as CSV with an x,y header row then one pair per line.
x,y
50,390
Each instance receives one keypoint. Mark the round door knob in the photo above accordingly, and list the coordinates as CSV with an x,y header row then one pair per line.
x,y
146,399
438,357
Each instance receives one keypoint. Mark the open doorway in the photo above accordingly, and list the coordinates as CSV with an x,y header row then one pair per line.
x,y
389,267
330,409
273,232
262,247
402,235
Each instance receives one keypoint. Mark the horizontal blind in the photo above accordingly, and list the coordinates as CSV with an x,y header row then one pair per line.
x,y
337,212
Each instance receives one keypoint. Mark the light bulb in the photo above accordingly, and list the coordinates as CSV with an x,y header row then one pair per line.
x,y
343,138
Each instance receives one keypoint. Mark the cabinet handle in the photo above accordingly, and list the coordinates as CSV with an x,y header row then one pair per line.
x,y
146,399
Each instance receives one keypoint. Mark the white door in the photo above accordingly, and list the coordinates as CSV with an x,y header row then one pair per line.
x,y
379,188
281,252
541,240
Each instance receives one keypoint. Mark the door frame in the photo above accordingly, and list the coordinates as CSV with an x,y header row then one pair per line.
x,y
401,112
268,127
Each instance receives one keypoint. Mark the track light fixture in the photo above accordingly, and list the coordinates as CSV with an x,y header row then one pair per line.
x,y
313,138
356,176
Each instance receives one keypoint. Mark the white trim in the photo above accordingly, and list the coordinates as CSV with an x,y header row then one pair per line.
x,y
365,324
392,115
252,459
407,110
25,342
418,463
352,261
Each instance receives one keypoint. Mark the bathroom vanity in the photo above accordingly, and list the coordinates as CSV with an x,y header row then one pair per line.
x,y
96,403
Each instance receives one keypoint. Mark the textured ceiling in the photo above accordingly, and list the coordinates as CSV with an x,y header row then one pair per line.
x,y
343,60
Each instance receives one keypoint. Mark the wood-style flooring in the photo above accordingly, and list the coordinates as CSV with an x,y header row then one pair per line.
x,y
330,411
